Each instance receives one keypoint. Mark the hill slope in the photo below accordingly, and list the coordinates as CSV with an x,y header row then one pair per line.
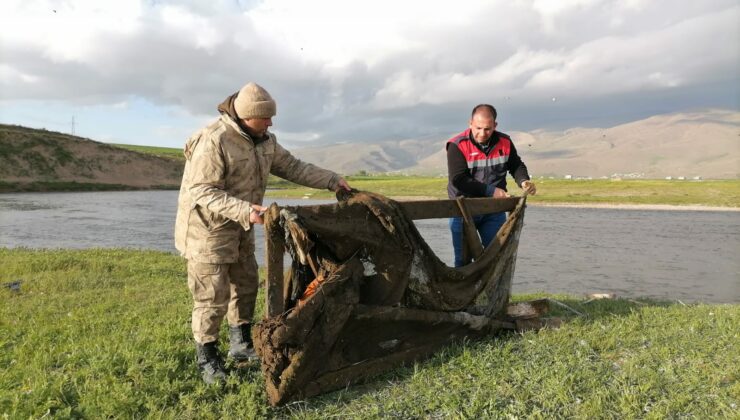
x,y
386,156
705,144
38,156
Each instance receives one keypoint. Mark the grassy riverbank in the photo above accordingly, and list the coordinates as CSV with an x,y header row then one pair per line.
x,y
106,333
719,193
165,152
709,193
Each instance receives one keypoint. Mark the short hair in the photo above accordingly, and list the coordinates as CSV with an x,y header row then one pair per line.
x,y
483,108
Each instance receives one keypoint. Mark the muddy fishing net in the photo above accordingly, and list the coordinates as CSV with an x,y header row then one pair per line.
x,y
365,293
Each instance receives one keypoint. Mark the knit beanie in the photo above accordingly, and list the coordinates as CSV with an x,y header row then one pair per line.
x,y
253,101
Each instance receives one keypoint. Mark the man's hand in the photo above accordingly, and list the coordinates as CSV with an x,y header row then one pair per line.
x,y
529,187
342,185
499,193
255,214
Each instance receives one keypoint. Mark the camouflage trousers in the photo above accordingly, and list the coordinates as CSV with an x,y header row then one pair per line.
x,y
221,289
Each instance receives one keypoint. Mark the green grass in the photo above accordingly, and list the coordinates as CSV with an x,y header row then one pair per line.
x,y
19,145
723,193
165,152
393,186
106,333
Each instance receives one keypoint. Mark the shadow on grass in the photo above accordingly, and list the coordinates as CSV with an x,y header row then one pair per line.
x,y
590,310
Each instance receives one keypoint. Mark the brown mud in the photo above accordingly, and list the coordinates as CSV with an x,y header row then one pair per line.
x,y
384,297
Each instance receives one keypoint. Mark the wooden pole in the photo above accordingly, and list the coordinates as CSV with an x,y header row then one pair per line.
x,y
471,240
274,252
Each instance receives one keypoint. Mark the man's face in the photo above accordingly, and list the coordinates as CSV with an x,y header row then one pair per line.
x,y
482,126
257,126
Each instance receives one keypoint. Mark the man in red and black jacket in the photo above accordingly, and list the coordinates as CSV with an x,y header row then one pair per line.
x,y
477,162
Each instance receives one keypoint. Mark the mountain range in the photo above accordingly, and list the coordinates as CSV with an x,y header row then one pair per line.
x,y
702,144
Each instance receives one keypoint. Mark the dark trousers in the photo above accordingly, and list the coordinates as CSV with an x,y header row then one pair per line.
x,y
487,226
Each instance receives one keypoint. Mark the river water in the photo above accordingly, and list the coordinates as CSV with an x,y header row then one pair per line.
x,y
686,255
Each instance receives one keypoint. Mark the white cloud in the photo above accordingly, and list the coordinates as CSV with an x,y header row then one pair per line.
x,y
347,69
555,7
187,26
120,105
296,137
66,31
10,75
549,10
336,32
676,55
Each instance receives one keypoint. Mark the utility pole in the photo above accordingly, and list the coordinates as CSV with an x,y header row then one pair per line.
x,y
73,125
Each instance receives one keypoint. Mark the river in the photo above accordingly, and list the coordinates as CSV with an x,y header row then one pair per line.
x,y
670,254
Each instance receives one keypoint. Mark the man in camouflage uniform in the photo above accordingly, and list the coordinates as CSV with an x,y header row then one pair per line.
x,y
223,186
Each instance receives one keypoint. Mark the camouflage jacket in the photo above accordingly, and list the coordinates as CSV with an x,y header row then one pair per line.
x,y
224,173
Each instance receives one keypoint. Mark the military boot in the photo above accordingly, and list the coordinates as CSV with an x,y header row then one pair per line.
x,y
210,364
240,344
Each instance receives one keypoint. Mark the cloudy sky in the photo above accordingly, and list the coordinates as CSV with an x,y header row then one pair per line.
x,y
151,72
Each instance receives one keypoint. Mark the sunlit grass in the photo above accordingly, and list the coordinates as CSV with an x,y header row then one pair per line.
x,y
724,193
165,152
106,333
